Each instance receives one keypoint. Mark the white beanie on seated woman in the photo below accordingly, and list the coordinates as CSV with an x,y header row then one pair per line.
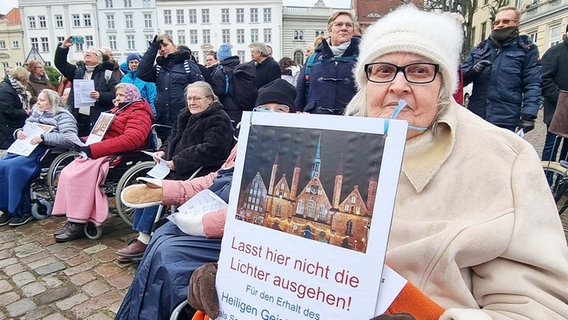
x,y
435,36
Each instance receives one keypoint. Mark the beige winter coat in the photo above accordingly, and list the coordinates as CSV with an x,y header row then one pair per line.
x,y
475,226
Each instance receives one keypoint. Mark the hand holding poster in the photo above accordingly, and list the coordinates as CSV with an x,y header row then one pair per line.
x,y
309,217
24,147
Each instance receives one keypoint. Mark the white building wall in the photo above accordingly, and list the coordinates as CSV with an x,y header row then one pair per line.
x,y
216,24
50,9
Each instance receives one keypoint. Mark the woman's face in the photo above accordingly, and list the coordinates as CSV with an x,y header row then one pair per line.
x,y
39,71
42,102
120,95
198,100
166,48
341,30
90,58
133,64
421,99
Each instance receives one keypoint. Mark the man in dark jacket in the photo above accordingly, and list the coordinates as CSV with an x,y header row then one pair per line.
x,y
220,80
92,67
506,75
267,68
554,78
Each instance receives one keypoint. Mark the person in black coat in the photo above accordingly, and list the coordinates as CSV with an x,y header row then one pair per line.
x,y
267,69
91,68
554,79
201,137
173,71
220,83
14,105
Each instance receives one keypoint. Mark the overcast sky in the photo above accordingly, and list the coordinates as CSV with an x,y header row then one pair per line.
x,y
7,5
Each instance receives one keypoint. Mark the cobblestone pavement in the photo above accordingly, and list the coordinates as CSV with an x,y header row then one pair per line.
x,y
41,279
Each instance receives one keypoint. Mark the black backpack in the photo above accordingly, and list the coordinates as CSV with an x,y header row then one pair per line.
x,y
241,85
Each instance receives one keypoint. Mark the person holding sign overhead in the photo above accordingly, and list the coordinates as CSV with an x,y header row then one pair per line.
x,y
475,228
17,171
202,137
161,282
78,195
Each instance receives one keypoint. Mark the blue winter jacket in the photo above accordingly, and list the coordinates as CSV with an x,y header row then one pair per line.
x,y
331,83
509,89
147,89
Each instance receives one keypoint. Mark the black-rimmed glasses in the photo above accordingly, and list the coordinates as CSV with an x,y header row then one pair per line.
x,y
383,72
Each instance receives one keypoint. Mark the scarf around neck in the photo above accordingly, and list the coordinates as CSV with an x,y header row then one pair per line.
x,y
502,36
340,49
21,90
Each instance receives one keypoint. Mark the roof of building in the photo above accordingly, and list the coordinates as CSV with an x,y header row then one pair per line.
x,y
13,16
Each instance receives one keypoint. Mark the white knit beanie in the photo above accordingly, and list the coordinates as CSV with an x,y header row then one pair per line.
x,y
435,36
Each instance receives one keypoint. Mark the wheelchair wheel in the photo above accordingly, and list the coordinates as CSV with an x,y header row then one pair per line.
x,y
41,209
558,181
129,178
92,231
55,170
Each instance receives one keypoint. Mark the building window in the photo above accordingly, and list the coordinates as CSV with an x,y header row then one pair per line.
x,y
267,35
299,57
170,33
31,22
254,15
193,36
147,20
146,3
2,44
128,20
555,36
42,22
311,208
76,20
180,16
108,3
204,15
533,35
130,43
226,35
240,35
483,30
128,3
298,35
89,42
241,55
206,36
240,15
253,35
168,16
58,21
15,44
79,47
87,19
44,44
110,21
225,15
181,36
35,43
267,15
60,39
349,228
193,16
112,42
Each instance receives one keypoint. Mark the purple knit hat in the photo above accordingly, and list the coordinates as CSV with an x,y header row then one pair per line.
x,y
131,92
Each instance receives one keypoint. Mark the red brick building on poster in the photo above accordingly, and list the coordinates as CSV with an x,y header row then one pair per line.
x,y
369,11
309,212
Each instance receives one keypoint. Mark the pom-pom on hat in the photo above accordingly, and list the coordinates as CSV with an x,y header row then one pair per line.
x,y
277,91
133,56
437,37
224,52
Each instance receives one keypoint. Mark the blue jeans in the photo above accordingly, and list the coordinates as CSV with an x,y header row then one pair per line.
x,y
551,145
144,219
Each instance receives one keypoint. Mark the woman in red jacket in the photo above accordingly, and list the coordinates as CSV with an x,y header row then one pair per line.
x,y
78,194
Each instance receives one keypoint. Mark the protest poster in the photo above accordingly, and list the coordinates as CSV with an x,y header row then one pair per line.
x,y
24,147
309,216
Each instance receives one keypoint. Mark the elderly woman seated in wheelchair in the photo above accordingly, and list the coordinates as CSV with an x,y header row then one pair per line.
x,y
199,142
18,170
78,195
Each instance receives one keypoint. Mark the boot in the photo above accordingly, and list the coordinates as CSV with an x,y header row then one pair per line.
x,y
72,232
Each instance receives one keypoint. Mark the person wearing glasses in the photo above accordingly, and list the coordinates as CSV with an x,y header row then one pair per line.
x,y
474,227
202,136
91,68
38,80
325,85
162,278
506,75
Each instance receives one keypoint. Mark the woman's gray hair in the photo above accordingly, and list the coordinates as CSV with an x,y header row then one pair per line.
x,y
206,87
53,98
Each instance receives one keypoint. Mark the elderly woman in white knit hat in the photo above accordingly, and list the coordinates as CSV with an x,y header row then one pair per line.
x,y
475,228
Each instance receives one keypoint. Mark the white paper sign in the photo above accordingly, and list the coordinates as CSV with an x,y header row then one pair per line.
x,y
81,90
160,170
24,147
309,216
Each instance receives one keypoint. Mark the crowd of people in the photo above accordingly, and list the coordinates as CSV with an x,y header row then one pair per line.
x,y
466,173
